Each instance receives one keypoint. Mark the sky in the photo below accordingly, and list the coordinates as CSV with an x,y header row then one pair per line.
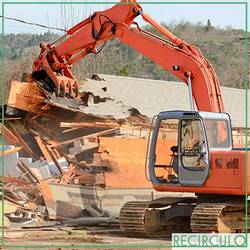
x,y
220,15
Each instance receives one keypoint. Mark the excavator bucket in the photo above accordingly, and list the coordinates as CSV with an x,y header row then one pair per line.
x,y
67,88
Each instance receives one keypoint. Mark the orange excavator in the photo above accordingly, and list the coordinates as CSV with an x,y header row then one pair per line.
x,y
201,159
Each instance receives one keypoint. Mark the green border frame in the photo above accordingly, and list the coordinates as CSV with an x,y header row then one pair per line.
x,y
245,3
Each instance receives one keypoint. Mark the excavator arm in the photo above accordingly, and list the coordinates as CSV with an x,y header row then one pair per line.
x,y
183,60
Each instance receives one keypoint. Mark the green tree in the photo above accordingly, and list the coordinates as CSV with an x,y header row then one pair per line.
x,y
124,71
209,26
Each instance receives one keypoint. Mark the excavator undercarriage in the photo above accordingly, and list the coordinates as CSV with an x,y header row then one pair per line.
x,y
164,216
156,218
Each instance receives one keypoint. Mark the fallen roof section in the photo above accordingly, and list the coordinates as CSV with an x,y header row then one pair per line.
x,y
153,96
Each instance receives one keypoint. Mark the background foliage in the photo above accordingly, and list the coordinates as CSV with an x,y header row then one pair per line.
x,y
223,47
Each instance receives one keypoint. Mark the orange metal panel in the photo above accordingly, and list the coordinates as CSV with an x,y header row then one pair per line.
x,y
227,175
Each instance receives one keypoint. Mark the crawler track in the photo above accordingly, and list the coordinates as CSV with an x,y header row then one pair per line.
x,y
132,218
144,219
226,217
162,217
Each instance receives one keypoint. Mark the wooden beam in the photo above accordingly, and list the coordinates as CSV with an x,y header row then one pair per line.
x,y
21,141
102,133
43,149
48,153
11,151
88,124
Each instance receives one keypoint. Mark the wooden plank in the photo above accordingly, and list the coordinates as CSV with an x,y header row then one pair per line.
x,y
88,124
43,149
6,197
23,166
11,151
10,137
102,133
21,141
48,153
48,199
8,179
54,156
27,96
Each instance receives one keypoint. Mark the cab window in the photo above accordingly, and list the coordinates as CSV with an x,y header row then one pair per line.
x,y
193,144
217,133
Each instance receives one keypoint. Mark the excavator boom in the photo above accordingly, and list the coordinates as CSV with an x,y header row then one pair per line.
x,y
183,60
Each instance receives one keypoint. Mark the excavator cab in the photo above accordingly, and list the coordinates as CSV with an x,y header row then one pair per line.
x,y
181,143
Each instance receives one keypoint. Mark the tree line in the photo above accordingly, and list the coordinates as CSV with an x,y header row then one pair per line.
x,y
222,47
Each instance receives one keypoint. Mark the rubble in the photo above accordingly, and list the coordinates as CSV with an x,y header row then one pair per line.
x,y
64,169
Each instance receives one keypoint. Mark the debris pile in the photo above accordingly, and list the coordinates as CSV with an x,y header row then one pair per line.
x,y
75,162
54,146
20,202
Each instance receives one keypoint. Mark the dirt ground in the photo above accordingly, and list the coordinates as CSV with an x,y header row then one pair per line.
x,y
78,239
